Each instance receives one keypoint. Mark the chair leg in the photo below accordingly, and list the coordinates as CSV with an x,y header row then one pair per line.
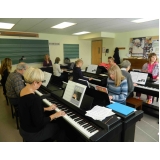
x,y
12,111
17,122
7,100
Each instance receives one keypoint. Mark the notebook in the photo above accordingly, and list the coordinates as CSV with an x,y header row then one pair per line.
x,y
120,108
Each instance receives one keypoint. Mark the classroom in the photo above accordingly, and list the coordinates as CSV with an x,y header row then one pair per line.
x,y
30,39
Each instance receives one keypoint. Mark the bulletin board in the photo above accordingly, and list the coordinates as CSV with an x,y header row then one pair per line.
x,y
143,46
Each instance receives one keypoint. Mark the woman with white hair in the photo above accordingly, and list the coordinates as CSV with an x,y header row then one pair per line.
x,y
34,126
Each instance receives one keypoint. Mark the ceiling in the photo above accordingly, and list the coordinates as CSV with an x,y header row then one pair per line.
x,y
93,25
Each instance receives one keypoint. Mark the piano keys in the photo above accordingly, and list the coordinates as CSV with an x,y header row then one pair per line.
x,y
97,79
86,128
150,88
42,91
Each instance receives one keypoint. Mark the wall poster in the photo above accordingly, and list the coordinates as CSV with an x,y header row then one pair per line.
x,y
142,46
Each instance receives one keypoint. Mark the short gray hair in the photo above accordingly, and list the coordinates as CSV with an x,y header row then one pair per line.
x,y
21,66
125,64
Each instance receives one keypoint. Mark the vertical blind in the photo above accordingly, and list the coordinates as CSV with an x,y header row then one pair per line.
x,y
32,50
71,50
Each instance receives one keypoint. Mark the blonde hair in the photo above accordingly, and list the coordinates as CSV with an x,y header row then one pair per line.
x,y
6,64
46,58
151,55
33,75
115,70
78,61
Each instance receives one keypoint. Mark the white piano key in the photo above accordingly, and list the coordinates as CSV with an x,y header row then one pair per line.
x,y
73,123
93,78
39,93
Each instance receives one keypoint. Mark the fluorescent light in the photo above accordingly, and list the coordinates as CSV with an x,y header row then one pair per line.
x,y
63,25
79,33
143,20
6,25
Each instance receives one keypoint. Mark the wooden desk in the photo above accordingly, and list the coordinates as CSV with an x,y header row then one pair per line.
x,y
136,63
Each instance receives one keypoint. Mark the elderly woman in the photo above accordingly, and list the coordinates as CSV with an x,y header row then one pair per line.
x,y
34,126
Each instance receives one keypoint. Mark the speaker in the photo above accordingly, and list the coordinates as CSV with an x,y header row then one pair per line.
x,y
107,50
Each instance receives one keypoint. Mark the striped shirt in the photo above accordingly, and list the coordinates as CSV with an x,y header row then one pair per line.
x,y
14,84
119,93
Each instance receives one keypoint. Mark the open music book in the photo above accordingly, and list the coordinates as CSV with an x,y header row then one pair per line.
x,y
93,86
74,93
92,68
138,77
47,77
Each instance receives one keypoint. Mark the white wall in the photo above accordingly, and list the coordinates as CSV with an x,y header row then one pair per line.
x,y
57,50
108,43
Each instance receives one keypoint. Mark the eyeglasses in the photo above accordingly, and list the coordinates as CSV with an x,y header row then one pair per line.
x,y
43,81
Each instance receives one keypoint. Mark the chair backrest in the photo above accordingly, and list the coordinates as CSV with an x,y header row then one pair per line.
x,y
66,60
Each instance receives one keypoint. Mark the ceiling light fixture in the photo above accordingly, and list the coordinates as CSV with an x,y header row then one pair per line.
x,y
6,25
143,20
79,33
63,25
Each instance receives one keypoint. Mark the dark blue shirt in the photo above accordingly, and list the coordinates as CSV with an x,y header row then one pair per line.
x,y
77,74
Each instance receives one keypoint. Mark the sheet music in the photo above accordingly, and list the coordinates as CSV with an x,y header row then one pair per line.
x,y
99,113
138,77
92,68
47,77
74,93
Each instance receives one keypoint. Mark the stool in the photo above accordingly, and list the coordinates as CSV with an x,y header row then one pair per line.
x,y
134,102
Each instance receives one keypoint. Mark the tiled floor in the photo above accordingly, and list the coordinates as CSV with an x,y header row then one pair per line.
x,y
146,130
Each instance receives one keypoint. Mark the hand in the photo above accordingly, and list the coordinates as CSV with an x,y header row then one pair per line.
x,y
90,79
157,78
134,84
59,114
110,97
52,107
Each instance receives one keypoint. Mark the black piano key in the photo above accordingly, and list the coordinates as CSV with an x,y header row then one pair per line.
x,y
69,113
80,122
77,119
73,116
91,128
86,126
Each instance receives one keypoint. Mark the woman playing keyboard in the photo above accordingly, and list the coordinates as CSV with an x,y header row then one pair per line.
x,y
151,67
34,125
117,85
77,73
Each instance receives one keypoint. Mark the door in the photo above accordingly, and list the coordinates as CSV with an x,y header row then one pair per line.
x,y
96,52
